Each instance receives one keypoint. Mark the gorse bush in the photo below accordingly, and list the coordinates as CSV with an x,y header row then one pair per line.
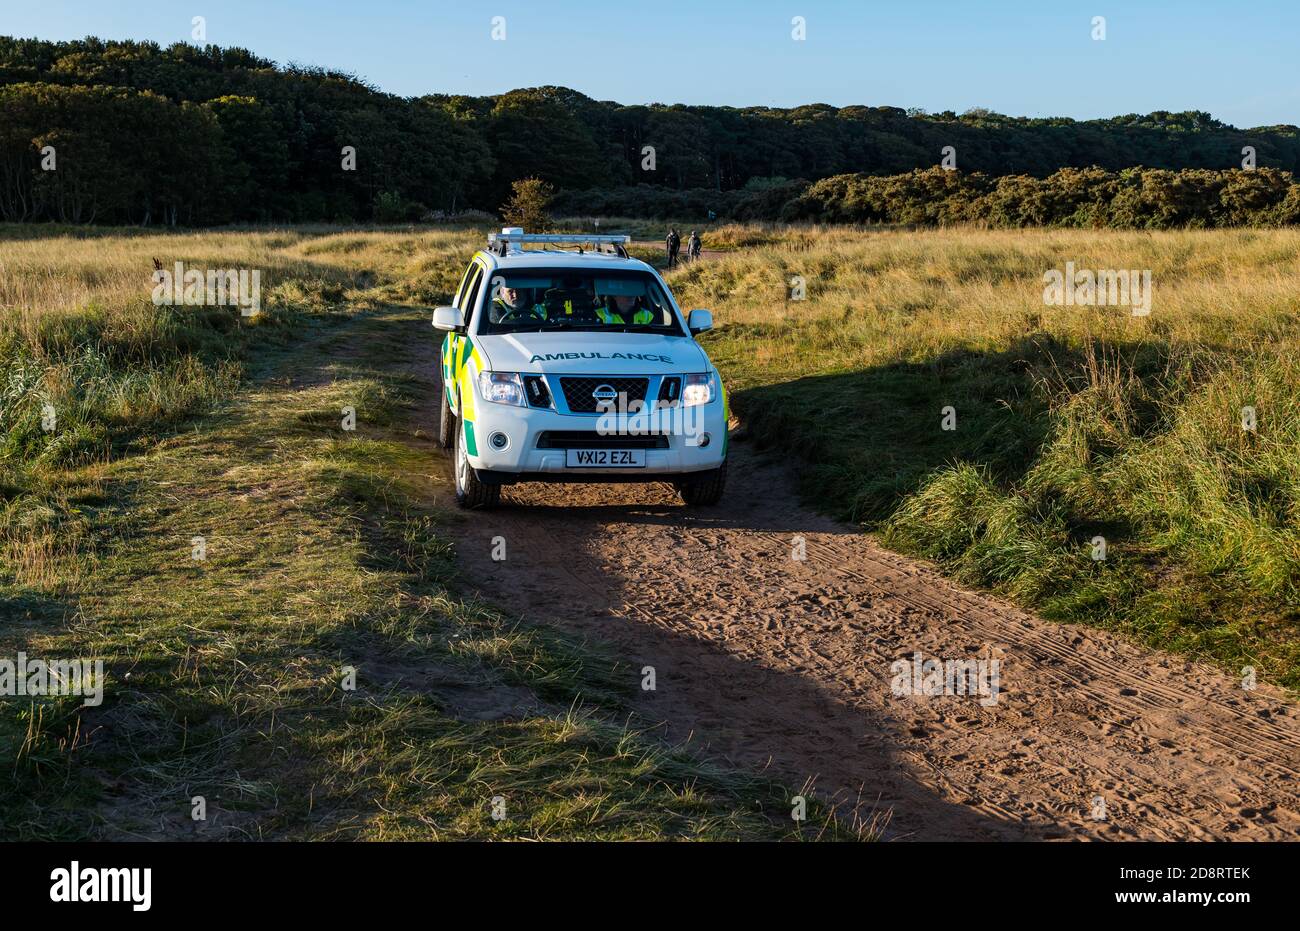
x,y
1131,199
390,207
1136,198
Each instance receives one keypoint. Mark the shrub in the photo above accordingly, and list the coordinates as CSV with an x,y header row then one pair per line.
x,y
527,206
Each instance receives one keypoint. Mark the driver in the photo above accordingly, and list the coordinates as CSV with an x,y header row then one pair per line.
x,y
513,303
622,308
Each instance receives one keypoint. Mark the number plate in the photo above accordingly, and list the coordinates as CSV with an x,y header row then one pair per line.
x,y
604,458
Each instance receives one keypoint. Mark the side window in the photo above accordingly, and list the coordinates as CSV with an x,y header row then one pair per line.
x,y
469,296
464,280
658,302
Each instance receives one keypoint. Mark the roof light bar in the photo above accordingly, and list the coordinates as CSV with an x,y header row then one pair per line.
x,y
570,238
514,236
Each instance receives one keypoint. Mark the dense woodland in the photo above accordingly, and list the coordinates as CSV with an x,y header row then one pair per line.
x,y
191,136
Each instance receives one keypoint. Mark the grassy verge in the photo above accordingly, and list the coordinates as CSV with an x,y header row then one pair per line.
x,y
1071,423
316,674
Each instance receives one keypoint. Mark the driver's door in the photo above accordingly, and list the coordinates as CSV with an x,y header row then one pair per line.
x,y
457,346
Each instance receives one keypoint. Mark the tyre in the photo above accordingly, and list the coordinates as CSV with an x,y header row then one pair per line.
x,y
705,489
446,423
471,494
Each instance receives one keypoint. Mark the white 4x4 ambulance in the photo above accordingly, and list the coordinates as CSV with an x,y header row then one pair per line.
x,y
572,363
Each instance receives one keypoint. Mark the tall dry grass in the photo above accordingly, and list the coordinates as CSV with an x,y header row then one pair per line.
x,y
81,339
1072,423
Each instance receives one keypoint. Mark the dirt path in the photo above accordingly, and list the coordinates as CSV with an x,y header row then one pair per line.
x,y
770,661
706,255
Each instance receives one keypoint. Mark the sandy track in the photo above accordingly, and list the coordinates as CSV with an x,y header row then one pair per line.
x,y
768,661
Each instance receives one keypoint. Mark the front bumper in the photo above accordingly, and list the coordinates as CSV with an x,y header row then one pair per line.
x,y
676,442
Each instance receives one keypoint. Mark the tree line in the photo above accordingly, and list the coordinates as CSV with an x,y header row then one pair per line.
x,y
189,135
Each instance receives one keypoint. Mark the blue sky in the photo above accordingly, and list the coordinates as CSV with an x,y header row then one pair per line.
x,y
1022,57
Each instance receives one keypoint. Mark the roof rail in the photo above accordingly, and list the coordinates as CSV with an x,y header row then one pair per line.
x,y
500,242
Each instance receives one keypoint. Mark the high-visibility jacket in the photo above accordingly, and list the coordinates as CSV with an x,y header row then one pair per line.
x,y
610,315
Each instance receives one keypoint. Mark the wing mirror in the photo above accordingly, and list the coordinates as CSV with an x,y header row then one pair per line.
x,y
448,318
699,321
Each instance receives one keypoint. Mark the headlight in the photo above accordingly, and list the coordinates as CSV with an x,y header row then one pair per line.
x,y
697,389
502,388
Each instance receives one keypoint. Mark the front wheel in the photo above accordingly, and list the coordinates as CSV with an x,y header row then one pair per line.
x,y
704,489
471,494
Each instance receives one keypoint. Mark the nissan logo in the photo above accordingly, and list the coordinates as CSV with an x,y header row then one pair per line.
x,y
604,393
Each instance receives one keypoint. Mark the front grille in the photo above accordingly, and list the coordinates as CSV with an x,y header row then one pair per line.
x,y
590,439
577,391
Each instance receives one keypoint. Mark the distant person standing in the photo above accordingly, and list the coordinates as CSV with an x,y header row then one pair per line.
x,y
674,244
693,246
